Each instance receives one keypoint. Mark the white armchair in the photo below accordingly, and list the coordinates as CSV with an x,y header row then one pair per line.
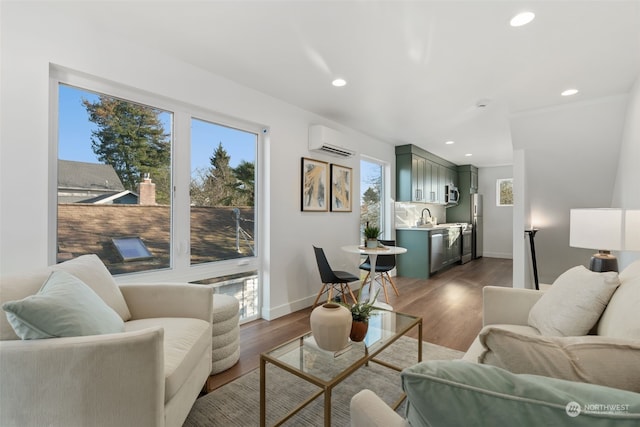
x,y
148,375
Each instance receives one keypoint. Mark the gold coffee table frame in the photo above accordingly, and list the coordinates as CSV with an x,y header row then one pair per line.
x,y
301,358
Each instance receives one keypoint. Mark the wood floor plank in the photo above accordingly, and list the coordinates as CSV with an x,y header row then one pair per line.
x,y
450,304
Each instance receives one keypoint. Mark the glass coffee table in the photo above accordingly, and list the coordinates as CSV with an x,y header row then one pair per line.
x,y
301,357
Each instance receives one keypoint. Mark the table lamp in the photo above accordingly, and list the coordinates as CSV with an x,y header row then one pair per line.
x,y
600,229
631,230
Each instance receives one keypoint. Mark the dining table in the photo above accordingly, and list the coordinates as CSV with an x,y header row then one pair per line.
x,y
373,253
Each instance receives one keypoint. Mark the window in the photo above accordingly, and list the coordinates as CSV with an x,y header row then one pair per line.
x,y
222,192
504,192
114,179
371,193
154,187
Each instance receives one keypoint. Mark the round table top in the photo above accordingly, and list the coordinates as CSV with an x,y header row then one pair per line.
x,y
385,250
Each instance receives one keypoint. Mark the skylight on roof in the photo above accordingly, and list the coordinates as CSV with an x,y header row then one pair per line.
x,y
131,248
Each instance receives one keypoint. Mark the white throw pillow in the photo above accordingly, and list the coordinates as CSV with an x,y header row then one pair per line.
x,y
64,307
620,319
92,271
88,268
592,359
574,303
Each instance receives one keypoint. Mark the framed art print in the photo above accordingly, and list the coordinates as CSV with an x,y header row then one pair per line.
x,y
315,185
340,188
504,192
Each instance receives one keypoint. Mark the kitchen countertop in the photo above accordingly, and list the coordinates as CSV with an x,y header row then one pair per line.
x,y
435,227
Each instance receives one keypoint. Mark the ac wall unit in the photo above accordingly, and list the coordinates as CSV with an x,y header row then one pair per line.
x,y
329,141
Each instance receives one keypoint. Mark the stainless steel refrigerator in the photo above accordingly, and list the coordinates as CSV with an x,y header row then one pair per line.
x,y
476,220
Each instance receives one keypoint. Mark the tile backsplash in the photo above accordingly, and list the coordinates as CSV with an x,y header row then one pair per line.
x,y
408,213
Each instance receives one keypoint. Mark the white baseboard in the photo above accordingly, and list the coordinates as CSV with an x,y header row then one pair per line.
x,y
505,255
288,308
299,304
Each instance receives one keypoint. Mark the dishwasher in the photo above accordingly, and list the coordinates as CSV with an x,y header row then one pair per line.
x,y
437,250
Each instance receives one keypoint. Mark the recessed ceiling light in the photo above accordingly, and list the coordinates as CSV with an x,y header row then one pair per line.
x,y
339,82
450,142
522,19
468,155
569,92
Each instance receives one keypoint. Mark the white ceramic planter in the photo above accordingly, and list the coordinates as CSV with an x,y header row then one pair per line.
x,y
331,326
372,243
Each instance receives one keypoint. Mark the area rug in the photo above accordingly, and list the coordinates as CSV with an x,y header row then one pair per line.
x,y
238,403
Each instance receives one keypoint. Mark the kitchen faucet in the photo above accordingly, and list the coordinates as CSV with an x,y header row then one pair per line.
x,y
422,215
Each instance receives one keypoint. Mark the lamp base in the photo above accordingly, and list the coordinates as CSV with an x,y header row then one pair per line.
x,y
603,261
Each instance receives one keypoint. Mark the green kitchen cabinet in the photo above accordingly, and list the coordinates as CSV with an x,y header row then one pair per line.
x,y
474,180
415,262
421,176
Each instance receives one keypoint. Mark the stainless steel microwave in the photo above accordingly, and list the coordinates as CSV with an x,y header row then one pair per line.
x,y
451,195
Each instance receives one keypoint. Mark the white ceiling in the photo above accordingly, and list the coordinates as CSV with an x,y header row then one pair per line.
x,y
415,69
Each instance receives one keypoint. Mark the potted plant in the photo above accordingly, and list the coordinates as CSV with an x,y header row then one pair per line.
x,y
371,233
360,313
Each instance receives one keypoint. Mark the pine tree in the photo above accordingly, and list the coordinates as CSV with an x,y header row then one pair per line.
x,y
370,196
245,183
220,183
131,138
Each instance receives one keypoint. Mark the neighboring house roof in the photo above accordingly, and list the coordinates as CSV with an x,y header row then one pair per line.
x,y
89,229
122,197
89,176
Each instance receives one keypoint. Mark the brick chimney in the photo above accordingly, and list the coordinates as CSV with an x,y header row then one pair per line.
x,y
147,191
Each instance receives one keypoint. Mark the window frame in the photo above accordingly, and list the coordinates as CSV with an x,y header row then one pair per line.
x,y
179,268
385,186
258,132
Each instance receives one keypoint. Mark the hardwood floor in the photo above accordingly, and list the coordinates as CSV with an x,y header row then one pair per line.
x,y
450,303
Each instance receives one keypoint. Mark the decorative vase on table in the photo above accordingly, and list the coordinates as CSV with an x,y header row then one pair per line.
x,y
371,233
360,313
372,243
331,326
359,330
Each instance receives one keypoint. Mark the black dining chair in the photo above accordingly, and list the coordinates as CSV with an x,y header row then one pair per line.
x,y
332,279
384,264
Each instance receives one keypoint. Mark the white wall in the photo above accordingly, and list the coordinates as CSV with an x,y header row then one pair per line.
x,y
521,265
571,158
626,193
33,37
497,220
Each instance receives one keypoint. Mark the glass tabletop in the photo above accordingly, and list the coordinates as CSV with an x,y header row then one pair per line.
x,y
303,357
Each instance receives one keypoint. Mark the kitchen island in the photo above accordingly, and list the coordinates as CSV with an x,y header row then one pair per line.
x,y
430,248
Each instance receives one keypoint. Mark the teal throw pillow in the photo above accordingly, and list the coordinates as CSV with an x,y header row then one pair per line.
x,y
459,393
64,307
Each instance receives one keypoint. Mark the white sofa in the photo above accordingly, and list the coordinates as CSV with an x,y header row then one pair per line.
x,y
603,365
148,375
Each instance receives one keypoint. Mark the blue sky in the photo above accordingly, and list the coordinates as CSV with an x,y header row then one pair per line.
x,y
74,142
369,171
74,133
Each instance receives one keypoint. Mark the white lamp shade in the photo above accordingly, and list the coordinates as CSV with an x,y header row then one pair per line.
x,y
599,229
632,230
